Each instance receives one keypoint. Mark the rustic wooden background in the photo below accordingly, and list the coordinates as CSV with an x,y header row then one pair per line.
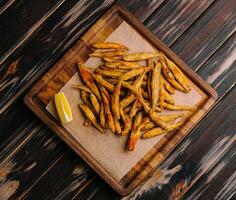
x,y
36,164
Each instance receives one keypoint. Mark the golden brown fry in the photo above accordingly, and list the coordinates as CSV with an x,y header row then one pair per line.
x,y
113,69
115,101
109,73
123,65
149,90
88,79
90,115
140,56
176,107
108,114
155,83
145,94
109,45
170,77
135,132
135,108
86,99
87,122
126,121
102,116
82,87
178,74
127,101
103,82
166,118
167,86
134,72
167,97
117,126
127,109
162,93
95,103
157,119
158,131
104,91
108,54
106,59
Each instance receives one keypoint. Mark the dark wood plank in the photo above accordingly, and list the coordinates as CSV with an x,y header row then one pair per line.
x,y
28,159
219,182
220,69
209,32
20,21
141,9
174,17
64,181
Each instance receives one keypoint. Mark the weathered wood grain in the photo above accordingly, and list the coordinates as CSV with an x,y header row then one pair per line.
x,y
215,184
20,21
27,161
174,17
220,69
209,32
141,9
65,181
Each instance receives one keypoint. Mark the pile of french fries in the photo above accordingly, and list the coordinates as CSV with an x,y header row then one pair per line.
x,y
128,97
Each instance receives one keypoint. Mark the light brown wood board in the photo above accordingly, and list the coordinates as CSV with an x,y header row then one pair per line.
x,y
61,74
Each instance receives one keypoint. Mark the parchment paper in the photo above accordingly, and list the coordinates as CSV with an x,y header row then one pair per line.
x,y
109,149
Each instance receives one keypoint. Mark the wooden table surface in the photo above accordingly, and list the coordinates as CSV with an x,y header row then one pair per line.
x,y
36,164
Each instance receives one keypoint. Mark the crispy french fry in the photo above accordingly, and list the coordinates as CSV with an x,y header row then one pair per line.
x,y
106,59
135,108
127,101
157,119
134,72
115,101
167,86
123,65
90,115
149,90
126,122
127,109
162,93
87,122
155,83
108,54
140,56
177,107
117,126
108,114
103,82
109,45
109,73
158,131
102,116
104,91
178,74
82,87
86,99
88,79
170,77
135,132
95,103
102,67
167,97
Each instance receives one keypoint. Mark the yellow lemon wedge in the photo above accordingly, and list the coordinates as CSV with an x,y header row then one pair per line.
x,y
63,108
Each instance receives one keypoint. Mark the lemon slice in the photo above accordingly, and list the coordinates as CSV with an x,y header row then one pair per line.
x,y
63,108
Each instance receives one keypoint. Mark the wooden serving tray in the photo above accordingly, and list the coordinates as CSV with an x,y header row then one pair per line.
x,y
135,167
